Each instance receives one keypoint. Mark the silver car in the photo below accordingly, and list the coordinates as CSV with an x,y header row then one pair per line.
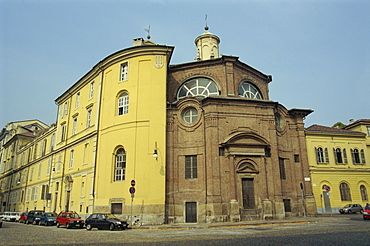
x,y
351,208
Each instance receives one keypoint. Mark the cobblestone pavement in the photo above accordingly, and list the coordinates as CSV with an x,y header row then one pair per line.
x,y
183,234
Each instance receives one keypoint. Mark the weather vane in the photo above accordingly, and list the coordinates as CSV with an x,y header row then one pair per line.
x,y
148,31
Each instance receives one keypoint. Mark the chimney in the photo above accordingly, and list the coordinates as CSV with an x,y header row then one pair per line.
x,y
138,41
351,121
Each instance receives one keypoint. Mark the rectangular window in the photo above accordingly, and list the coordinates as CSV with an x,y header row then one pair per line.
x,y
89,115
59,162
91,94
296,158
116,208
28,195
48,167
39,172
52,142
191,167
63,133
74,129
65,110
124,72
85,159
282,169
83,186
71,159
44,192
31,173
368,130
77,103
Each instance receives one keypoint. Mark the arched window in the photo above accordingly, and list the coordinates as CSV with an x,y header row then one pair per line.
x,y
123,104
248,90
339,156
199,87
320,155
345,192
355,156
363,193
120,165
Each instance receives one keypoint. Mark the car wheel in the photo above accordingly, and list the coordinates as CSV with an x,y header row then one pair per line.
x,y
34,222
349,211
88,227
68,226
111,227
361,211
58,225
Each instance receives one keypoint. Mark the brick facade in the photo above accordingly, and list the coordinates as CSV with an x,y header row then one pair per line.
x,y
238,142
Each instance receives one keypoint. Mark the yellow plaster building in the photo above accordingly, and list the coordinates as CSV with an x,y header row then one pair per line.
x,y
339,163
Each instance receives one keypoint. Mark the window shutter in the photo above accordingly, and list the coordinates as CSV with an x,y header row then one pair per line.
x,y
362,154
345,156
335,155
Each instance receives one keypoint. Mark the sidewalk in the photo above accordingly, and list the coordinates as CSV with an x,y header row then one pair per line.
x,y
293,220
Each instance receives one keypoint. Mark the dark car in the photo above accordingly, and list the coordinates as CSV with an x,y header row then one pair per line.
x,y
48,219
23,217
34,216
351,208
105,221
69,220
366,213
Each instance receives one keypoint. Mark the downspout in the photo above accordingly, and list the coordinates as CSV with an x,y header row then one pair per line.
x,y
97,133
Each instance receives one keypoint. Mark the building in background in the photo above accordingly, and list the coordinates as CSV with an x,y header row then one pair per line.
x,y
193,142
339,161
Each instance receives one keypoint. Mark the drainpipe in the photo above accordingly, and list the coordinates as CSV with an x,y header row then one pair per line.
x,y
97,132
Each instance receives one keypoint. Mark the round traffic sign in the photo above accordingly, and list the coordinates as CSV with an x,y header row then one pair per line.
x,y
133,182
132,190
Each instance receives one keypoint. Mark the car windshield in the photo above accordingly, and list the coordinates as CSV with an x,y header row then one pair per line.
x,y
348,205
38,213
110,216
73,216
51,214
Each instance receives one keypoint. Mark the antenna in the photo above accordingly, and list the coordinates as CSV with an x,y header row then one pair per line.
x,y
148,31
206,28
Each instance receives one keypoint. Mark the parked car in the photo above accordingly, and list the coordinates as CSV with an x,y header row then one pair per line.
x,y
105,221
366,213
34,216
69,220
48,219
1,221
23,217
351,208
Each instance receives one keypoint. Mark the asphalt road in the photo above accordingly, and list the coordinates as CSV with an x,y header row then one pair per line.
x,y
336,230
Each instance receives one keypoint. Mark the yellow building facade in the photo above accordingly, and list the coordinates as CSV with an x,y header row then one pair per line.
x,y
110,136
339,163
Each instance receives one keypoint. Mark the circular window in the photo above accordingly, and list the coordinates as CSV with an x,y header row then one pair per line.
x,y
248,90
190,115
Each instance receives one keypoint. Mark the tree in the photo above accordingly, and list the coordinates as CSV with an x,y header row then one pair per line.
x,y
339,125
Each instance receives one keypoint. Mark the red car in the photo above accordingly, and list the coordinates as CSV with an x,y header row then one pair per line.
x,y
366,213
69,220
23,217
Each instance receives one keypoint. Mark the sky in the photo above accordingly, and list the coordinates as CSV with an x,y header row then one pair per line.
x,y
318,52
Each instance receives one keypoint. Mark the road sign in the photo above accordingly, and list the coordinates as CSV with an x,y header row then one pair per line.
x,y
132,190
327,188
133,182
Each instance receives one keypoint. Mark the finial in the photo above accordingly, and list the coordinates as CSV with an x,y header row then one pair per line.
x,y
206,27
148,31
